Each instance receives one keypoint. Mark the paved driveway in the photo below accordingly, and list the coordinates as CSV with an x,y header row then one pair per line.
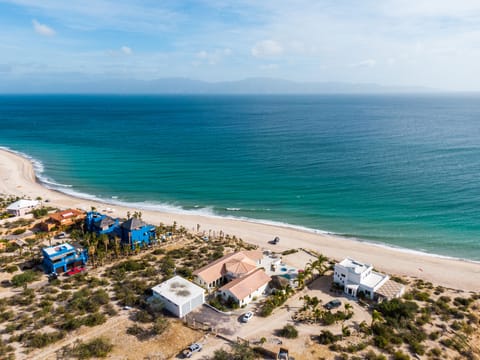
x,y
223,324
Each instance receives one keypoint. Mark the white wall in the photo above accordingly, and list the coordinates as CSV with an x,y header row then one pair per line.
x,y
180,310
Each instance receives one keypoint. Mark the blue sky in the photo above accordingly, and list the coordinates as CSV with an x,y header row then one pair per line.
x,y
433,43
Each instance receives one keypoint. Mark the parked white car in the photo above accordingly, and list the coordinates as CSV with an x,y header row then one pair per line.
x,y
247,316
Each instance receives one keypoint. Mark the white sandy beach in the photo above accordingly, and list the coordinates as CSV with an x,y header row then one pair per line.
x,y
17,177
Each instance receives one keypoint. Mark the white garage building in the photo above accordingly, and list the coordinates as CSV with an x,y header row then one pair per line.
x,y
21,207
179,296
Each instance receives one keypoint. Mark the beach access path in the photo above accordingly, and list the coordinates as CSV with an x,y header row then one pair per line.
x,y
17,177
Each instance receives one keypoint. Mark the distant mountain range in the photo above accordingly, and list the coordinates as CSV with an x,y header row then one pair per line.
x,y
189,86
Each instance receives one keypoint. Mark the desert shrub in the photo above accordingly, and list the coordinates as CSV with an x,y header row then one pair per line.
x,y
371,355
435,352
18,231
216,302
94,319
38,213
158,252
288,252
71,323
396,310
421,296
143,316
221,354
39,340
6,315
184,271
83,301
289,332
98,348
11,268
167,266
100,297
417,348
160,325
132,265
26,277
462,303
326,337
399,355
110,310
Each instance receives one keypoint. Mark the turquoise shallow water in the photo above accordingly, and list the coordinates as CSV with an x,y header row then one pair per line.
x,y
398,170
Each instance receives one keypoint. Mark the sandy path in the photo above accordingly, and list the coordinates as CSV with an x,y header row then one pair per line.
x,y
17,177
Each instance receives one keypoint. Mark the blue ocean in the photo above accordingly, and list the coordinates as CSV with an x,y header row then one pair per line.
x,y
396,170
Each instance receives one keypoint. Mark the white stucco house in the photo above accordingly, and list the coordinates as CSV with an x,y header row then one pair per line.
x,y
244,289
356,277
179,296
21,207
237,275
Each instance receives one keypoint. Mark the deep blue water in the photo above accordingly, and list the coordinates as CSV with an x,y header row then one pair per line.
x,y
399,170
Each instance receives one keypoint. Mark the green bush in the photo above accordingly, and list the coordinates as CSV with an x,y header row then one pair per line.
x,y
38,213
160,326
371,355
326,337
39,340
19,231
99,348
24,278
289,332
11,268
94,319
398,355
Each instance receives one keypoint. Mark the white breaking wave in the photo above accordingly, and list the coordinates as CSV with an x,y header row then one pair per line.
x,y
207,211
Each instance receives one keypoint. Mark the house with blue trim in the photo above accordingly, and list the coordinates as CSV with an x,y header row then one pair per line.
x,y
135,231
101,223
61,258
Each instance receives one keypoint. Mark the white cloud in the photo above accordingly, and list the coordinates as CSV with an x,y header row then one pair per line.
x,y
212,57
126,50
42,29
269,67
365,63
267,48
432,8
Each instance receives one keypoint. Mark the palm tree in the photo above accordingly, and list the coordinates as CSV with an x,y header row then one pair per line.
x,y
348,307
104,240
319,265
116,241
300,279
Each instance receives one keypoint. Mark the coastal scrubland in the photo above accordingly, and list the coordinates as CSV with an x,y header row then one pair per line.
x,y
106,312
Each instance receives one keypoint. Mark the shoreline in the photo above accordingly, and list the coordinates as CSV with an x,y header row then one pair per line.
x,y
17,177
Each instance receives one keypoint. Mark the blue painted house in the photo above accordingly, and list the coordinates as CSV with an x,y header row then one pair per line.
x,y
100,223
135,231
61,258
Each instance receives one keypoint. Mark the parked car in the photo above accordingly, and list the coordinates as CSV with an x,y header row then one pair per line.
x,y
52,276
75,270
333,304
195,347
283,354
61,235
275,241
247,316
126,307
